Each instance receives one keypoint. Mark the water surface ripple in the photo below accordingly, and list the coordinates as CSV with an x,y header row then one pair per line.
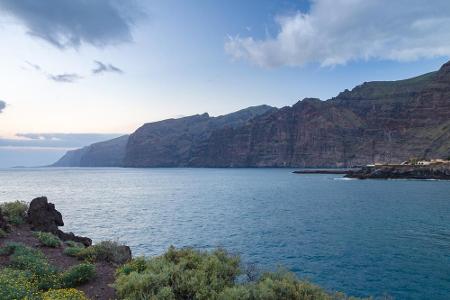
x,y
370,237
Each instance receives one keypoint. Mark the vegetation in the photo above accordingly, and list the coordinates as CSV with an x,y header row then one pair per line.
x,y
192,274
73,251
16,284
48,239
14,212
78,275
29,275
109,251
64,294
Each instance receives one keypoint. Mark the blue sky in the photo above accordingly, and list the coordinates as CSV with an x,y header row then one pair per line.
x,y
108,66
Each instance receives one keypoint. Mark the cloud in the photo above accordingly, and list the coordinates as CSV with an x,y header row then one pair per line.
x,y
57,140
2,106
34,66
66,77
102,68
71,23
336,32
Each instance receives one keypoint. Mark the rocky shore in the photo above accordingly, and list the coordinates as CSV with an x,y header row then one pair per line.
x,y
61,264
432,171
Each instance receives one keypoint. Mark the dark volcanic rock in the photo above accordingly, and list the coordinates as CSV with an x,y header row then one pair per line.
x,y
42,216
437,171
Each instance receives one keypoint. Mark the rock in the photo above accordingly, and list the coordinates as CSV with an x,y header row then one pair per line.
x,y
43,216
436,171
3,223
72,237
125,254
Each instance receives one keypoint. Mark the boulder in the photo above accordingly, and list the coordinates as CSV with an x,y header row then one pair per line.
x,y
43,216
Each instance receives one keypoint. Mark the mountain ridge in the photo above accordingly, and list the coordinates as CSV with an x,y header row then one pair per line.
x,y
378,121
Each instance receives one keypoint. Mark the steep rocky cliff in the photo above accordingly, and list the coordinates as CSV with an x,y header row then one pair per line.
x,y
383,121
176,142
103,154
375,122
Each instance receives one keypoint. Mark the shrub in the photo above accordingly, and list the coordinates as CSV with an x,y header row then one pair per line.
x,y
48,239
74,244
64,294
15,284
136,265
14,212
72,251
33,261
178,274
109,251
78,274
191,274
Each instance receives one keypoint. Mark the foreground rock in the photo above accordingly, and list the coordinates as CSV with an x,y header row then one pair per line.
x,y
437,171
43,216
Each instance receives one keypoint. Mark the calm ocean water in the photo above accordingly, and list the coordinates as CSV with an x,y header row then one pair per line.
x,y
365,238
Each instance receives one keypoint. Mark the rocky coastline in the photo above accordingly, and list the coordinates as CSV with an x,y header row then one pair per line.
x,y
432,171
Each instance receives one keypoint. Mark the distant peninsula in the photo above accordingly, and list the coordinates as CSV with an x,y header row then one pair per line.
x,y
380,121
434,169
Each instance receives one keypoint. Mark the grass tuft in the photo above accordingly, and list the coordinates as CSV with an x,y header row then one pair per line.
x,y
48,239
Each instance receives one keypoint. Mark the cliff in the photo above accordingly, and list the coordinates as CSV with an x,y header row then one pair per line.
x,y
178,142
375,122
103,154
382,121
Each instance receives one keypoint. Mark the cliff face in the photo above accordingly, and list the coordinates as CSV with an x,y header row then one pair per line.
x,y
176,142
375,122
103,154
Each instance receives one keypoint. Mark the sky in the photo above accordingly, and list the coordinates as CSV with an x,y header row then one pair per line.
x,y
77,71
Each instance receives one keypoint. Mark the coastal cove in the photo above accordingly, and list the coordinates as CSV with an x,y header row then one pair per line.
x,y
364,238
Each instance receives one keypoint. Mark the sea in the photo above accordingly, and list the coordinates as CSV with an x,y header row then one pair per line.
x,y
362,237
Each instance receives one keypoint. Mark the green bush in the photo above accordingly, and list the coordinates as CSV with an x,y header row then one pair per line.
x,y
33,261
178,274
191,274
64,294
48,239
78,274
72,251
16,284
14,212
74,244
109,251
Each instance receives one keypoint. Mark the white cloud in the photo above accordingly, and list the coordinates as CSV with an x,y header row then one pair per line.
x,y
335,32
